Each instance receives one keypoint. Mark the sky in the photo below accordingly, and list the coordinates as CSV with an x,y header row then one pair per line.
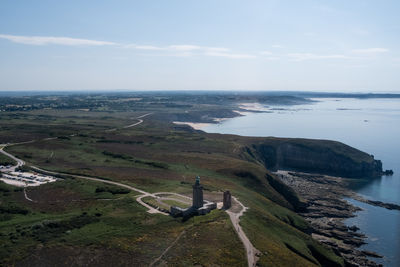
x,y
307,45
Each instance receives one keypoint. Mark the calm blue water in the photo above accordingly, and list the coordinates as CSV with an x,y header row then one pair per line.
x,y
371,125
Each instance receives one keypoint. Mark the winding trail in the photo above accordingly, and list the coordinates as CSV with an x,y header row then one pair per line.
x,y
168,248
131,125
26,196
173,193
139,122
138,199
20,162
251,252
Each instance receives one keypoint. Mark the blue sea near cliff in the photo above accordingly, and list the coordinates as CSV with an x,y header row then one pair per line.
x,y
371,125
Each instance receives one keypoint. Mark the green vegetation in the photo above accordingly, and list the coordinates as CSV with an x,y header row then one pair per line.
x,y
180,204
8,207
154,203
165,204
69,214
94,218
4,160
112,189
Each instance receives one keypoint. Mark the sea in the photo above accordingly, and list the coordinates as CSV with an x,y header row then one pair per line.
x,y
371,125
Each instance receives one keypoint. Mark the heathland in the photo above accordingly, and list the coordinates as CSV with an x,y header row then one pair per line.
x,y
74,221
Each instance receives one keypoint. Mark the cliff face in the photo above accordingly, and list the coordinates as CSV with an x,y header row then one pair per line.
x,y
315,156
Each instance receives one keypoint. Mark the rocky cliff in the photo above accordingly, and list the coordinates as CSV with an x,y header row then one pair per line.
x,y
314,156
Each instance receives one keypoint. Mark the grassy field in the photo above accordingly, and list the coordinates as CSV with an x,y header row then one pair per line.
x,y
97,221
180,204
74,214
4,160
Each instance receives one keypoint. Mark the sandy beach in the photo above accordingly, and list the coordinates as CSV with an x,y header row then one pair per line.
x,y
194,125
253,107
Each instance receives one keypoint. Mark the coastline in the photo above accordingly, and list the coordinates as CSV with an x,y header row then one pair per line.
x,y
194,125
326,212
253,107
242,109
329,208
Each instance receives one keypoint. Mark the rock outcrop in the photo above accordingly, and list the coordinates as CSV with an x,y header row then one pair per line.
x,y
315,156
325,213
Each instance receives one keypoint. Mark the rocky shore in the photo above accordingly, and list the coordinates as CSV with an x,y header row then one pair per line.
x,y
327,209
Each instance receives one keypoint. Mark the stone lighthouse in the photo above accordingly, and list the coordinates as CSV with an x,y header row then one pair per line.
x,y
199,207
197,194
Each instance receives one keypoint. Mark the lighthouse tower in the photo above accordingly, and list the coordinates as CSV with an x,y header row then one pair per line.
x,y
197,194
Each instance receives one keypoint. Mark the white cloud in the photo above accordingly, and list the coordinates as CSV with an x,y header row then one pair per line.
x,y
185,50
176,50
363,53
276,46
143,47
198,48
311,56
185,47
229,55
45,40
374,50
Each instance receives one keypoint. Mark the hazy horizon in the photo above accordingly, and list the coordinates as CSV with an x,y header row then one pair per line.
x,y
311,45
311,94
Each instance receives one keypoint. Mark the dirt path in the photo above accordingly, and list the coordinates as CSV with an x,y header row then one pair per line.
x,y
26,196
168,248
138,199
173,193
150,208
251,251
139,122
131,125
20,162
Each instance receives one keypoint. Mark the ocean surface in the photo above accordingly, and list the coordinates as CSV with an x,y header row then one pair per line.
x,y
371,125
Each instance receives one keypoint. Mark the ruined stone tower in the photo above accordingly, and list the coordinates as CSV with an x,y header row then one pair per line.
x,y
227,200
197,194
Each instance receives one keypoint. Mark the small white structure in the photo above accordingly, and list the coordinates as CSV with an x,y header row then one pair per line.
x,y
24,179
